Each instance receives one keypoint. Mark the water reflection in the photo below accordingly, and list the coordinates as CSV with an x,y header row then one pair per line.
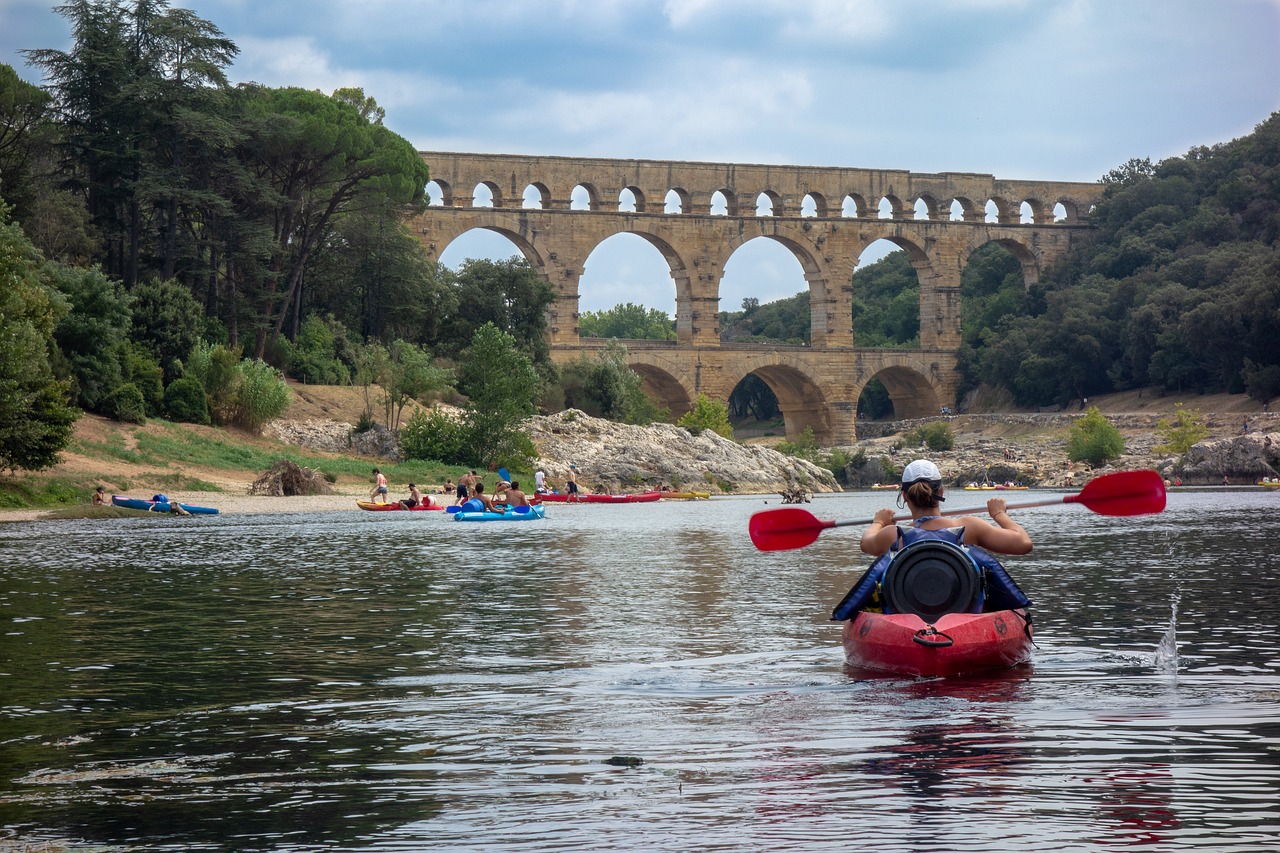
x,y
333,682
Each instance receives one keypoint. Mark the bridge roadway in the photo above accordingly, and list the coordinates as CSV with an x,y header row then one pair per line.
x,y
817,385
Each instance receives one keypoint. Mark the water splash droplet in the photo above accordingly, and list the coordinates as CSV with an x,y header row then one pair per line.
x,y
1166,654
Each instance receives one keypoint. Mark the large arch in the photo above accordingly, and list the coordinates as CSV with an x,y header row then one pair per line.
x,y
913,394
802,399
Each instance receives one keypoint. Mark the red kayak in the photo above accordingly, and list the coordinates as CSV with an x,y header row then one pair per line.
x,y
953,644
584,498
374,506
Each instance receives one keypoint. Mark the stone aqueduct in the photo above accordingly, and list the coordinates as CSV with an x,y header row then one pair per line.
x,y
818,385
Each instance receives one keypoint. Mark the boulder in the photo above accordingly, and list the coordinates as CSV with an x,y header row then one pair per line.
x,y
612,457
1243,458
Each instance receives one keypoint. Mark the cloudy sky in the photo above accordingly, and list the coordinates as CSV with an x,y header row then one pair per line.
x,y
1052,89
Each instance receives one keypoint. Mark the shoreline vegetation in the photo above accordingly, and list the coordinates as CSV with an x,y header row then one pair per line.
x,y
215,467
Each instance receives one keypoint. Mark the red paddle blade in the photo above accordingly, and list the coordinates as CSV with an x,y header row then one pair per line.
x,y
1123,493
785,528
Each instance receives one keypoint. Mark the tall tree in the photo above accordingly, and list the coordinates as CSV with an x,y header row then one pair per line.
x,y
508,294
35,416
133,74
25,135
312,157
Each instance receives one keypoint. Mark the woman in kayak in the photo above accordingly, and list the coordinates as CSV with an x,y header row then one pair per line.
x,y
921,492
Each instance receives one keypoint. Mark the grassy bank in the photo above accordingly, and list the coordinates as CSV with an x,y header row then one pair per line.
x,y
160,456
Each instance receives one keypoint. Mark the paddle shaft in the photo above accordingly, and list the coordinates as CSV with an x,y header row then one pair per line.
x,y
1065,499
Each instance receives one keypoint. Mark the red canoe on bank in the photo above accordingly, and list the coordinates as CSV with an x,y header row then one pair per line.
x,y
584,498
955,643
374,506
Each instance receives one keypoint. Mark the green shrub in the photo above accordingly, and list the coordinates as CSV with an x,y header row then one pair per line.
x,y
125,403
804,447
935,436
707,414
1177,436
1093,439
261,394
433,434
184,401
215,367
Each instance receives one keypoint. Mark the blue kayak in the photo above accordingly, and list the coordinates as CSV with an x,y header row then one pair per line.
x,y
519,513
160,506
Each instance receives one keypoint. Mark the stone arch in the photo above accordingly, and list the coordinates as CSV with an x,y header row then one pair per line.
x,y
592,193
934,206
445,193
897,208
1027,258
526,248
809,267
664,382
820,208
853,205
972,211
495,194
802,401
723,203
597,266
637,199
1071,211
681,200
1041,213
914,395
770,199
1007,211
538,199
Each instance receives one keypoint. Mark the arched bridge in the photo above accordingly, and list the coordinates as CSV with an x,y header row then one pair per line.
x,y
557,210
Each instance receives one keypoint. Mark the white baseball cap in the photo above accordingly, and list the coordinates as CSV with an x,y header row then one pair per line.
x,y
921,469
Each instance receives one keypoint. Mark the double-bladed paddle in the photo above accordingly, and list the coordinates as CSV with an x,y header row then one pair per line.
x,y
1122,493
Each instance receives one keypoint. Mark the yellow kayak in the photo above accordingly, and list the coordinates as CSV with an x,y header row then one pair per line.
x,y
686,496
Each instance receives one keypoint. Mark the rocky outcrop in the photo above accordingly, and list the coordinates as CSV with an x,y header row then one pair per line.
x,y
612,457
337,437
1241,458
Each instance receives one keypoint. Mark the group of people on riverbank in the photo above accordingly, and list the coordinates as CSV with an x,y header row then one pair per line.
x,y
469,491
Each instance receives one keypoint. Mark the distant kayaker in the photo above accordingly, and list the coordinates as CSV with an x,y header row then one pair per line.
x,y
415,498
921,491
380,490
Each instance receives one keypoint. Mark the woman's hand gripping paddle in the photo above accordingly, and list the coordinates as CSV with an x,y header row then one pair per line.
x,y
1122,493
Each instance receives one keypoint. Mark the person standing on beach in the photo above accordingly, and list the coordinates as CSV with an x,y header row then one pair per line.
x,y
571,481
465,482
380,490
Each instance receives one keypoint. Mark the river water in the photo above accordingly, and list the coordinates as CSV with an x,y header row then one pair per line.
x,y
624,677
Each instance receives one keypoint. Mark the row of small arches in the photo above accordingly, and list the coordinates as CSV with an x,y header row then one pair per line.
x,y
632,200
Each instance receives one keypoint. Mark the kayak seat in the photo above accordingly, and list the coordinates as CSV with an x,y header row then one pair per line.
x,y
930,578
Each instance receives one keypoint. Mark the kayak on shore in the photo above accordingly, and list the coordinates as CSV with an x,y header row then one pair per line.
x,y
164,505
686,496
374,506
585,498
